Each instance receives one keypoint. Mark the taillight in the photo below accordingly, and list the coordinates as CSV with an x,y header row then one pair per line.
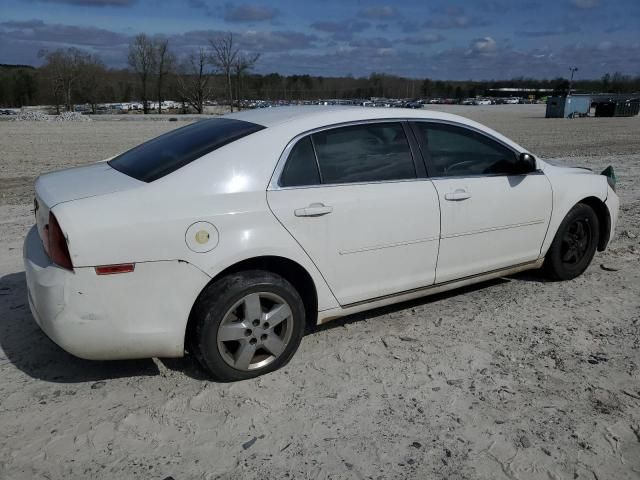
x,y
56,245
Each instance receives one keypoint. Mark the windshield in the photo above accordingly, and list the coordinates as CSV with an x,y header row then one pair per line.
x,y
169,152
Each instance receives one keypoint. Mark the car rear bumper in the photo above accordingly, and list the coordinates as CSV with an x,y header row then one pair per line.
x,y
133,315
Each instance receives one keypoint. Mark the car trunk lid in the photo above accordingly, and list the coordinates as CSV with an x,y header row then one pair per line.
x,y
76,183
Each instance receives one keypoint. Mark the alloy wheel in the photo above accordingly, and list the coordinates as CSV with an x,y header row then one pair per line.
x,y
255,331
576,241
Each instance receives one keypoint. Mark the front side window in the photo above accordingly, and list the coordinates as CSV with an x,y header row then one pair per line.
x,y
457,151
169,152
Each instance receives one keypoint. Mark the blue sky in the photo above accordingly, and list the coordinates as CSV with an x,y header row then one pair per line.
x,y
456,39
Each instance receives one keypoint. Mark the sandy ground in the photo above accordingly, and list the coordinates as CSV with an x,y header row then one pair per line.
x,y
513,379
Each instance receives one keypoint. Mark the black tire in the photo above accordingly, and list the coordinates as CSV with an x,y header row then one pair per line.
x,y
216,305
574,245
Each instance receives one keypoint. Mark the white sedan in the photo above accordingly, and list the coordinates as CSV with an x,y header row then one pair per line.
x,y
224,238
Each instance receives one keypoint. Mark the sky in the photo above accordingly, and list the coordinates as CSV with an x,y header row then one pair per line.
x,y
439,39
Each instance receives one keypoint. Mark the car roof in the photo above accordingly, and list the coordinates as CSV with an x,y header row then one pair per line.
x,y
291,121
321,115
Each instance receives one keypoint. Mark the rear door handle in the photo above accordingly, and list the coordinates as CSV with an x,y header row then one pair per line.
x,y
313,210
458,195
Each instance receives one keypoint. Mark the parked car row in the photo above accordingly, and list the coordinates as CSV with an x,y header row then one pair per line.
x,y
385,102
123,107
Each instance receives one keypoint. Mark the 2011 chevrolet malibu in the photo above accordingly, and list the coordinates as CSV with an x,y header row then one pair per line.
x,y
224,238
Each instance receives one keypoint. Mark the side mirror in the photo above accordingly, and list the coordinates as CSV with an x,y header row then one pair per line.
x,y
527,162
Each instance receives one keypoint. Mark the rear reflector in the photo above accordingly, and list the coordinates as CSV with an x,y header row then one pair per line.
x,y
113,269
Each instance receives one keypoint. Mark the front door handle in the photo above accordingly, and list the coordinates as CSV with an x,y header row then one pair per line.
x,y
313,210
459,194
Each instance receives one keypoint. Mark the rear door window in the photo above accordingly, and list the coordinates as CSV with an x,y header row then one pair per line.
x,y
169,152
301,168
364,153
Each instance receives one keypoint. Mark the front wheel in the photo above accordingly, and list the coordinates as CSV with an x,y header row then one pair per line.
x,y
247,324
574,245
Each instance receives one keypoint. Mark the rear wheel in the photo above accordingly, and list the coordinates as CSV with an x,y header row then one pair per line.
x,y
574,245
247,324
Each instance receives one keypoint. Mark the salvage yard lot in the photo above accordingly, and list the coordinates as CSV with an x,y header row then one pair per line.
x,y
516,378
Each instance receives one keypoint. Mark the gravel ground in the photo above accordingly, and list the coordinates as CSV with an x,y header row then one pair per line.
x,y
512,379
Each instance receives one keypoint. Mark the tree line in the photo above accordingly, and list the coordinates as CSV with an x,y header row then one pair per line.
x,y
220,71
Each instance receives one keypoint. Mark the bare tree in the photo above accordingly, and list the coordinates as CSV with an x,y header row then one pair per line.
x,y
243,63
223,57
91,83
51,84
142,59
194,83
164,62
64,67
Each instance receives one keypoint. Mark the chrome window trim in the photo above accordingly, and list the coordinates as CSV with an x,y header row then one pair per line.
x,y
274,183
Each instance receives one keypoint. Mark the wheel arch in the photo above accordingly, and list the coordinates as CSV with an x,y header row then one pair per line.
x,y
292,271
604,220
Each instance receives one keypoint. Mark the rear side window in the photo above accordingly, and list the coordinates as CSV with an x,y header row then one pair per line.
x,y
364,153
301,168
457,151
169,152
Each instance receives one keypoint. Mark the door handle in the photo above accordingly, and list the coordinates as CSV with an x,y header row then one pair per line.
x,y
459,194
313,210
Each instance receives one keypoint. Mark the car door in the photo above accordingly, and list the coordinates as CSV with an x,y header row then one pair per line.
x,y
494,214
359,204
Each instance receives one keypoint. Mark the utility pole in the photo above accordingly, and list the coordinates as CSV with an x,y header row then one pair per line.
x,y
573,70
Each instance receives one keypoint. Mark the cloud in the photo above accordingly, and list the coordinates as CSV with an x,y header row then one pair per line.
x,y
564,29
20,41
61,35
426,39
26,24
585,4
371,42
342,30
197,3
484,59
482,46
260,41
95,3
379,12
352,26
409,26
252,40
454,21
450,10
248,13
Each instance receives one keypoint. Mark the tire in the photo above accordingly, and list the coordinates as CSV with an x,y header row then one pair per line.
x,y
232,338
574,245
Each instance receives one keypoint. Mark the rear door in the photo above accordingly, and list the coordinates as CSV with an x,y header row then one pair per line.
x,y
494,215
359,204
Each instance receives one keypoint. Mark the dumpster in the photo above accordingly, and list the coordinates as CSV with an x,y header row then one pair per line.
x,y
568,106
618,108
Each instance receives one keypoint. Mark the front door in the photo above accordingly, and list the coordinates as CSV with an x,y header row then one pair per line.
x,y
352,199
493,214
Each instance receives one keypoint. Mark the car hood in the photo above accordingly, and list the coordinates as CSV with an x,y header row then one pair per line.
x,y
81,182
557,166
